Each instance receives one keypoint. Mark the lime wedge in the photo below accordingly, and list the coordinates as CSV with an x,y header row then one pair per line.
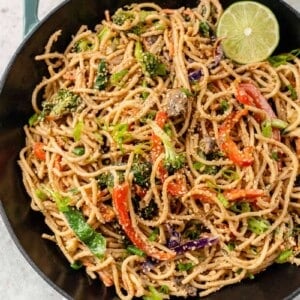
x,y
249,30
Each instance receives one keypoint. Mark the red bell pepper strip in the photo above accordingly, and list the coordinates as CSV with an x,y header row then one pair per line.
x,y
120,196
228,146
249,94
177,187
237,194
38,151
232,195
206,196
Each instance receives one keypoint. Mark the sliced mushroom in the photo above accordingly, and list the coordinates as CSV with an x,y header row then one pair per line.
x,y
175,102
207,144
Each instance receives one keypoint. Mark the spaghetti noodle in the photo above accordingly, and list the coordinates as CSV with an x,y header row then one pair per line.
x,y
160,165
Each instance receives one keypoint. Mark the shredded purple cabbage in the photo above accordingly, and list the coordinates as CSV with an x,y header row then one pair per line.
x,y
175,237
149,264
218,55
195,75
194,245
174,242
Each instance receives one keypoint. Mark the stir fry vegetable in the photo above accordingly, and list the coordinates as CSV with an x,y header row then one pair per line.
x,y
120,195
228,146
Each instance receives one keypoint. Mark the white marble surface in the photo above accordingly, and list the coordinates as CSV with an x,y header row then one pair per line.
x,y
18,281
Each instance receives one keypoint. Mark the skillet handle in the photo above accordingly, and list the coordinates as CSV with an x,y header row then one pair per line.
x,y
30,15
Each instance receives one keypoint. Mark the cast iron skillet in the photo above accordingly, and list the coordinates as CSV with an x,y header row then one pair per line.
x,y
26,226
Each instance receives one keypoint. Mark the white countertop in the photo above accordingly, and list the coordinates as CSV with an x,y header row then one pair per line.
x,y
18,281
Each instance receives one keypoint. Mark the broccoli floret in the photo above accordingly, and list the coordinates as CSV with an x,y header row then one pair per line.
x,y
141,172
204,29
121,134
105,180
151,65
121,16
138,29
102,78
192,230
83,45
173,161
150,211
62,103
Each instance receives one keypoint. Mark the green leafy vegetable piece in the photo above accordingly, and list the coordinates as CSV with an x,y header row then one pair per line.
x,y
153,235
102,76
224,105
284,256
258,225
204,29
149,116
266,129
33,119
277,123
79,150
164,289
231,246
136,251
94,240
187,92
185,266
86,234
77,131
282,59
62,202
230,174
116,78
153,294
103,33
223,200
293,92
121,134
144,93
76,265
41,194
240,207
274,155
206,169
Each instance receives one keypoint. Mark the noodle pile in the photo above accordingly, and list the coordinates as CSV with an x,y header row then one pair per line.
x,y
217,216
